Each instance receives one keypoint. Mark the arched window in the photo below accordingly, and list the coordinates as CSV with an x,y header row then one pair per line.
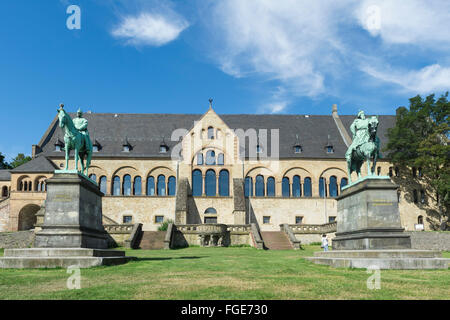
x,y
344,182
259,186
150,186
420,220
220,159
333,187
116,186
171,187
270,187
103,184
322,189
285,187
224,183
210,133
415,196
161,185
200,159
307,188
210,157
137,186
126,191
210,183
4,191
296,187
197,183
248,188
93,177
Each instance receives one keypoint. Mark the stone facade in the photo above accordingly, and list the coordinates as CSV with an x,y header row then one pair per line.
x,y
232,209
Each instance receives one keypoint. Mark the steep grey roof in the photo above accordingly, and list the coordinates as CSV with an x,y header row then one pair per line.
x,y
146,132
38,164
5,175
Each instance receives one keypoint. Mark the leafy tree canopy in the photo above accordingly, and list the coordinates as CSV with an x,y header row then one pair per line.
x,y
3,163
19,160
420,139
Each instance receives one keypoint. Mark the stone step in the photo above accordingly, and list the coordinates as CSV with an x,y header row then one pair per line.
x,y
60,262
152,240
62,252
406,253
383,263
276,240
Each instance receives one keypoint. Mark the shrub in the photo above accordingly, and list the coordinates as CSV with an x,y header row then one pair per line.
x,y
165,225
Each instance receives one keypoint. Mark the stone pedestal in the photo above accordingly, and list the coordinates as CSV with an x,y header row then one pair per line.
x,y
368,217
369,232
73,214
72,232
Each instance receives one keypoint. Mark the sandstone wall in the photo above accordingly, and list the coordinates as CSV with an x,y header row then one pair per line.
x,y
430,240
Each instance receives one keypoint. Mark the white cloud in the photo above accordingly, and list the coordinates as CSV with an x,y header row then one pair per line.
x,y
416,22
310,47
291,41
426,80
155,29
275,107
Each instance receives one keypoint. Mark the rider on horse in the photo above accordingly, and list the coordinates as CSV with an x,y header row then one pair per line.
x,y
81,125
360,132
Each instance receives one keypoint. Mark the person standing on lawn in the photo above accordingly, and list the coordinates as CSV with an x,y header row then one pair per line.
x,y
324,242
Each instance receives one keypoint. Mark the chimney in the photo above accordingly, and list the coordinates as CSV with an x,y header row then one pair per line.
x,y
334,110
35,149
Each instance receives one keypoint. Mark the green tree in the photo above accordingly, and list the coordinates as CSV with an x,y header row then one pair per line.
x,y
420,140
3,163
19,160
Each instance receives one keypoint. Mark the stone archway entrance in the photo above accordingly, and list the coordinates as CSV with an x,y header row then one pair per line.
x,y
27,217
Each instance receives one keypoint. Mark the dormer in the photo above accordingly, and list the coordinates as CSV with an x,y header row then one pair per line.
x,y
126,147
59,145
96,146
329,146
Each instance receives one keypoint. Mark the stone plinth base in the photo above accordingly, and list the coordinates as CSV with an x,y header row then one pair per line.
x,y
73,214
368,217
372,239
61,258
382,259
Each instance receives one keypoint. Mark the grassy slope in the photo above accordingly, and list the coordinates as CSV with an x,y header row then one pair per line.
x,y
223,273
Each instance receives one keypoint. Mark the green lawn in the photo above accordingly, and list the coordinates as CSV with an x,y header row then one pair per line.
x,y
223,273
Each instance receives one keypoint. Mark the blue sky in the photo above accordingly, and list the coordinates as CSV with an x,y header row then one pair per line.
x,y
253,56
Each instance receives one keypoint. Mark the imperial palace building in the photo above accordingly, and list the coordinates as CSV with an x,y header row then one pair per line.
x,y
231,169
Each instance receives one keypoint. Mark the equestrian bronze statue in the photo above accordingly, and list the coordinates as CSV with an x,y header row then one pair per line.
x,y
76,138
365,145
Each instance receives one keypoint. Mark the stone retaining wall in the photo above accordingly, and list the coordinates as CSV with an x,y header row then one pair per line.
x,y
19,239
4,215
430,240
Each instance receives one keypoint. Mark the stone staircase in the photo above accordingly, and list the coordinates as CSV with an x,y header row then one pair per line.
x,y
276,240
151,240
